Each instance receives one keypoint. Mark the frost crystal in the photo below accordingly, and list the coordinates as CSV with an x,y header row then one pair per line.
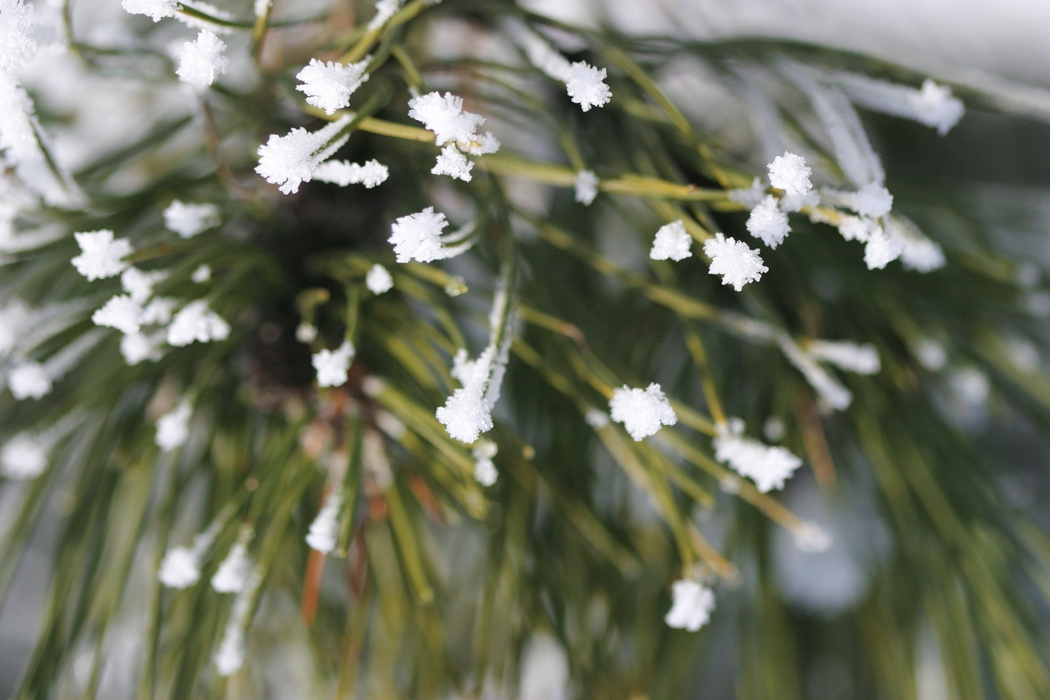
x,y
201,61
769,467
732,259
378,280
138,347
542,55
202,274
230,656
862,359
586,187
919,252
100,254
881,250
385,9
749,197
328,86
671,243
233,572
291,160
642,411
418,237
453,163
873,200
466,415
16,42
343,173
692,605
188,220
444,116
933,105
173,428
139,284
484,470
332,365
120,312
790,173
586,86
24,456
768,223
596,419
483,145
196,322
180,568
325,528
29,380
154,9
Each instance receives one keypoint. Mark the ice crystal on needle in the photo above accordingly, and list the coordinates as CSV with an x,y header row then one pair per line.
x,y
188,220
233,572
29,380
196,322
586,86
672,242
101,254
453,163
332,365
862,359
173,428
120,312
291,160
769,467
692,604
385,9
768,223
202,61
790,173
154,9
180,568
23,456
642,411
734,260
328,86
444,115
325,528
585,187
378,280
418,237
341,172
16,40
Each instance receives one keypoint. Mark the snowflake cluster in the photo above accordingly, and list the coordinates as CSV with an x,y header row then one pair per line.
x,y
642,411
454,129
202,61
692,605
340,172
734,261
769,467
328,86
324,530
188,220
332,366
672,242
419,237
584,83
291,160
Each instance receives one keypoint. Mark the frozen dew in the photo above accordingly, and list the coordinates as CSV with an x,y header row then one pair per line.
x,y
154,9
233,572
873,200
748,196
483,145
596,419
120,312
173,428
691,607
881,250
919,253
16,34
202,61
586,86
855,228
418,237
937,107
29,380
138,347
378,280
769,467
202,274
325,528
671,243
23,456
466,415
485,472
291,160
790,173
188,220
444,115
385,9
734,261
180,568
543,55
100,254
328,86
585,187
642,411
341,172
195,322
139,284
768,223
230,656
862,359
932,105
453,163
332,366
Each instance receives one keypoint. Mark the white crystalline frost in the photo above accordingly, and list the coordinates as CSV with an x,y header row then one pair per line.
x,y
862,359
932,105
873,200
596,419
196,322
881,250
188,220
919,253
385,9
453,163
378,280
202,61
483,145
154,9
935,106
543,56
24,456
790,173
101,254
750,196
768,223
173,428
691,607
233,572
230,656
328,86
444,115
586,187
671,243
332,365
29,380
466,415
586,86
291,160
139,284
325,528
180,568
418,237
202,274
642,411
485,472
120,312
138,347
16,39
343,173
734,260
769,467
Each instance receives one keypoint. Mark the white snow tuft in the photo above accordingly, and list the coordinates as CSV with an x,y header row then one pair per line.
x,y
328,86
862,359
444,116
324,530
734,260
196,322
154,9
233,572
768,223
332,366
173,428
378,280
120,312
790,173
188,220
453,163
343,173
418,237
291,160
692,605
672,242
23,456
586,187
202,61
769,467
485,472
642,411
100,255
586,86
29,380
